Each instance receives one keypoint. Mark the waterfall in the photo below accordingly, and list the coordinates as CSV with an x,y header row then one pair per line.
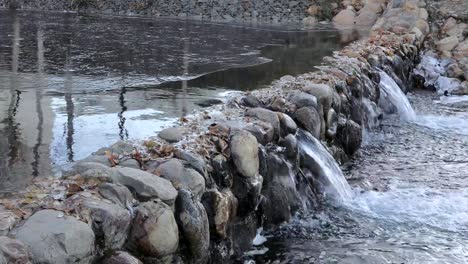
x,y
326,173
391,96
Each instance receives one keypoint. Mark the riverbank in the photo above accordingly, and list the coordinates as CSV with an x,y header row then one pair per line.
x,y
257,11
208,185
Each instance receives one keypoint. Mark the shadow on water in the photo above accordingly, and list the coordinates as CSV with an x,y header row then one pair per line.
x,y
70,84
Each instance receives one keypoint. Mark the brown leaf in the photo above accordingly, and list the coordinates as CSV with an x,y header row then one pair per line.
x,y
73,188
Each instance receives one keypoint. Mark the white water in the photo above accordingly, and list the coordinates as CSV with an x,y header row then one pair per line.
x,y
390,93
445,209
329,173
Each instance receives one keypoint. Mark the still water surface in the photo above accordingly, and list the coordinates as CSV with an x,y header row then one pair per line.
x,y
70,84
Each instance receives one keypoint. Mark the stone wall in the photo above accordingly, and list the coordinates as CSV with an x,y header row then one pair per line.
x,y
199,192
226,10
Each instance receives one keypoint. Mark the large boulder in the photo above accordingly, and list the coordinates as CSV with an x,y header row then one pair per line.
x,y
154,230
110,222
266,116
121,257
13,251
53,238
145,185
309,118
194,226
244,152
181,176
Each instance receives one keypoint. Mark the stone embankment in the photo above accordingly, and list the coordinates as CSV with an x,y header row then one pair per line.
x,y
277,11
200,192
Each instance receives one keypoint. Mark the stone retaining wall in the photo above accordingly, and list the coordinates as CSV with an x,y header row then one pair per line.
x,y
226,10
199,192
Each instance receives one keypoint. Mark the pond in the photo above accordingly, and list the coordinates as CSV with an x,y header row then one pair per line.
x,y
70,84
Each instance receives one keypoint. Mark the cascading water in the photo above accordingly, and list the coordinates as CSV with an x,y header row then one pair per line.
x,y
326,172
391,96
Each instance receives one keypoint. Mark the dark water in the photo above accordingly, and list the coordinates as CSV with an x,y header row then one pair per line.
x,y
70,84
411,197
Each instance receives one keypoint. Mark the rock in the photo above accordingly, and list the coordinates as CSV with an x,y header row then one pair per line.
x,y
447,44
121,257
172,134
182,177
13,251
290,143
453,71
266,116
263,131
277,104
313,10
131,163
422,25
287,124
194,160
366,18
462,89
449,24
323,93
344,19
310,119
221,171
116,193
244,153
301,99
350,137
120,148
194,226
54,238
145,185
92,170
251,101
103,159
461,50
208,102
423,14
110,222
221,208
7,221
154,230
375,8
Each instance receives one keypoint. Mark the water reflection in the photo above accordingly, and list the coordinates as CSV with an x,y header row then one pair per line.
x,y
70,84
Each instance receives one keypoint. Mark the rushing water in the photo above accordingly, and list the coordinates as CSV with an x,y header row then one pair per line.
x,y
70,84
392,96
329,176
410,202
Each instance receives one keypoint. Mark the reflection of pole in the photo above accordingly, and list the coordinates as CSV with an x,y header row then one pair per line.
x,y
70,107
184,81
40,115
123,133
15,94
